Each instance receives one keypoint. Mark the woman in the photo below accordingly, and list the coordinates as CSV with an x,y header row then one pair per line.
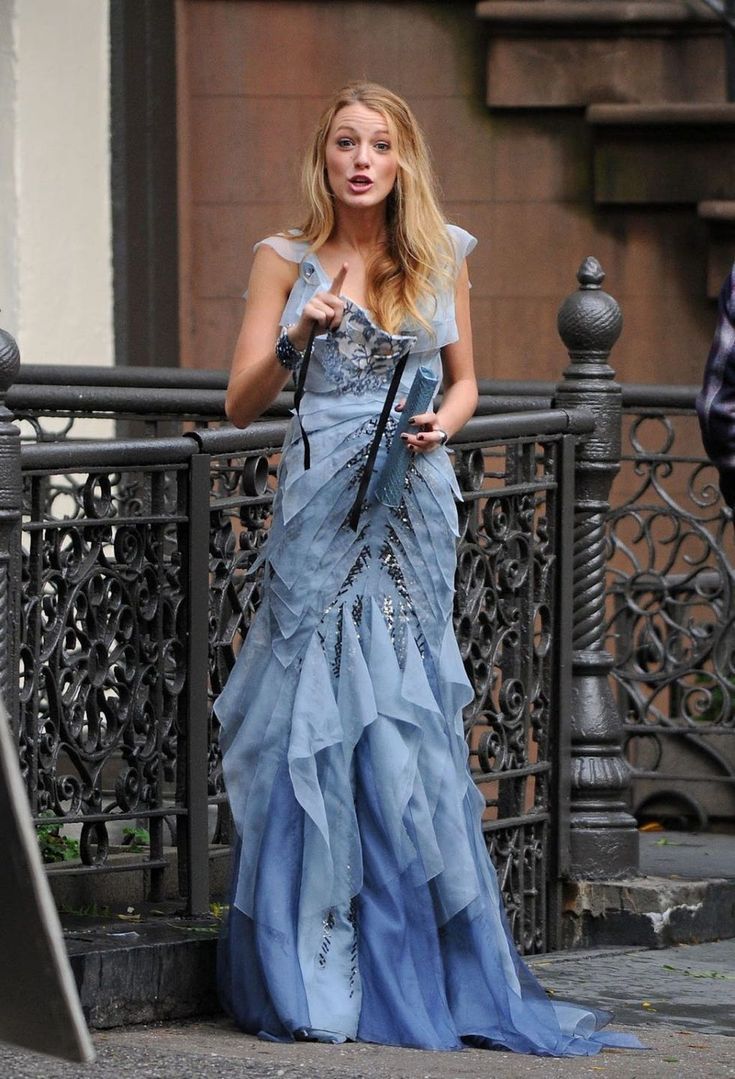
x,y
364,903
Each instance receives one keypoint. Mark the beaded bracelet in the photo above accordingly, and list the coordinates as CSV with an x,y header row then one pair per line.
x,y
287,354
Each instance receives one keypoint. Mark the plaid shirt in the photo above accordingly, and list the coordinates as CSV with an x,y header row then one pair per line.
x,y
716,400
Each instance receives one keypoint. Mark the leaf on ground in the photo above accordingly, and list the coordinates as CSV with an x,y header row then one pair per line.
x,y
688,973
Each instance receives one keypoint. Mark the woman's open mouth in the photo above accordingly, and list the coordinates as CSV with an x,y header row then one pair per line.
x,y
360,183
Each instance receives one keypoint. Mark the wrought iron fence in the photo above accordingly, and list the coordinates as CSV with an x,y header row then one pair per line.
x,y
670,625
134,601
135,552
671,613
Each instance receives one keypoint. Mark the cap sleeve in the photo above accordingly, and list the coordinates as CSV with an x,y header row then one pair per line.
x,y
464,243
444,323
288,247
291,249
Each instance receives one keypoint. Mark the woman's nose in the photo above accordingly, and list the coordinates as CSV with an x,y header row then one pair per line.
x,y
362,156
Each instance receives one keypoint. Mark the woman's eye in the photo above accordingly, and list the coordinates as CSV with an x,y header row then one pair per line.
x,y
344,143
383,146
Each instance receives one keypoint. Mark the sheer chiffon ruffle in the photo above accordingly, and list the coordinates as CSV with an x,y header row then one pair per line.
x,y
364,903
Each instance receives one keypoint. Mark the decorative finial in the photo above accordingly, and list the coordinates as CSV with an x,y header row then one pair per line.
x,y
590,274
589,321
9,361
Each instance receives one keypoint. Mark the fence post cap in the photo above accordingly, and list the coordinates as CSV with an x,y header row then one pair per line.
x,y
9,360
589,320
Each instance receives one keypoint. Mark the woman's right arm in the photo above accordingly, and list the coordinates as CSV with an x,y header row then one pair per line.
x,y
256,377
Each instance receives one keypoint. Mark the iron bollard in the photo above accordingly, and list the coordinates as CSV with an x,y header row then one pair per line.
x,y
603,835
10,524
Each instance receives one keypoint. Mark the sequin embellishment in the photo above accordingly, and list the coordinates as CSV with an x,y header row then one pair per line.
x,y
327,926
359,356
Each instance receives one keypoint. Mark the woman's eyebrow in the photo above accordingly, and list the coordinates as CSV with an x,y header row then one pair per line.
x,y
354,130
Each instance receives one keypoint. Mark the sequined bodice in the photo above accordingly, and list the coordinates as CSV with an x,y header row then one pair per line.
x,y
359,357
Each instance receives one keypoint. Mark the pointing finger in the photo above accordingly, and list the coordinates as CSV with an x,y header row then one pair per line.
x,y
336,286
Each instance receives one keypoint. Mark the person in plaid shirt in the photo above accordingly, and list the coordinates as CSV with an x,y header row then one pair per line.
x,y
716,400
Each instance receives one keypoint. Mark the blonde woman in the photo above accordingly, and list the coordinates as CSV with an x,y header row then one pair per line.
x,y
364,903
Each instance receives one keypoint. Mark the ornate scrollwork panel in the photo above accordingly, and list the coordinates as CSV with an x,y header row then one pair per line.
x,y
671,618
102,664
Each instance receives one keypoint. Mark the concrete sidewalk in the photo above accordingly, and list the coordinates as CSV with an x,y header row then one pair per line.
x,y
680,1001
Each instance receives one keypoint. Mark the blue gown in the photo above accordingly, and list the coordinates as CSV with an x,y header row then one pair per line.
x,y
364,903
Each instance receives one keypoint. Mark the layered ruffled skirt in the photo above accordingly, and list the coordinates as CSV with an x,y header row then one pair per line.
x,y
364,903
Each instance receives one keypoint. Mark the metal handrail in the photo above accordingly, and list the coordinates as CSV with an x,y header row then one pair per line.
x,y
179,392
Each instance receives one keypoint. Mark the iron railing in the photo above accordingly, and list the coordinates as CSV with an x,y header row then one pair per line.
x,y
136,551
134,601
671,614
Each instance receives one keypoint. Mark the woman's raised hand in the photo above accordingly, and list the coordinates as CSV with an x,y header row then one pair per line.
x,y
324,308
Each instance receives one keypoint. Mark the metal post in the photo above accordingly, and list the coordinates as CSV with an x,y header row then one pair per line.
x,y
194,747
603,835
10,518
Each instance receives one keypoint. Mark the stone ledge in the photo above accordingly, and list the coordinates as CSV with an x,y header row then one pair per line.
x,y
717,210
600,13
164,968
567,55
651,912
663,155
144,972
673,114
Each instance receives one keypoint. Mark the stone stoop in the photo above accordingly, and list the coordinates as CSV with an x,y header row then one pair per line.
x,y
685,895
662,154
159,970
551,54
650,79
650,912
145,972
152,965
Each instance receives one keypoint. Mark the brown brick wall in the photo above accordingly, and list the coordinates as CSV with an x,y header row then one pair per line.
x,y
253,77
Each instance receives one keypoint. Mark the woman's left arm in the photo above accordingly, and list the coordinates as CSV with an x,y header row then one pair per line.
x,y
459,399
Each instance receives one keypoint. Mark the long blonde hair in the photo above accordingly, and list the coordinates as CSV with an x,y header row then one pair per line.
x,y
418,258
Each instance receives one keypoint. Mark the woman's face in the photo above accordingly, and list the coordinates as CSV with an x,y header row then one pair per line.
x,y
361,158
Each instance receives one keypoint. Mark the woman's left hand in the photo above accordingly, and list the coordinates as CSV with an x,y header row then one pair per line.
x,y
425,432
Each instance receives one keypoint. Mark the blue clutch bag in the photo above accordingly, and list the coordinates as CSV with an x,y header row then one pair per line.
x,y
389,486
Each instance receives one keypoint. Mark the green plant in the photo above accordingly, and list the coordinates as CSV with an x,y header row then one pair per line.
x,y
136,838
54,846
86,910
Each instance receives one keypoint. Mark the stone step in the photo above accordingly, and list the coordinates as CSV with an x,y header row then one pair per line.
x,y
143,972
570,53
686,895
152,965
651,912
720,217
663,154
